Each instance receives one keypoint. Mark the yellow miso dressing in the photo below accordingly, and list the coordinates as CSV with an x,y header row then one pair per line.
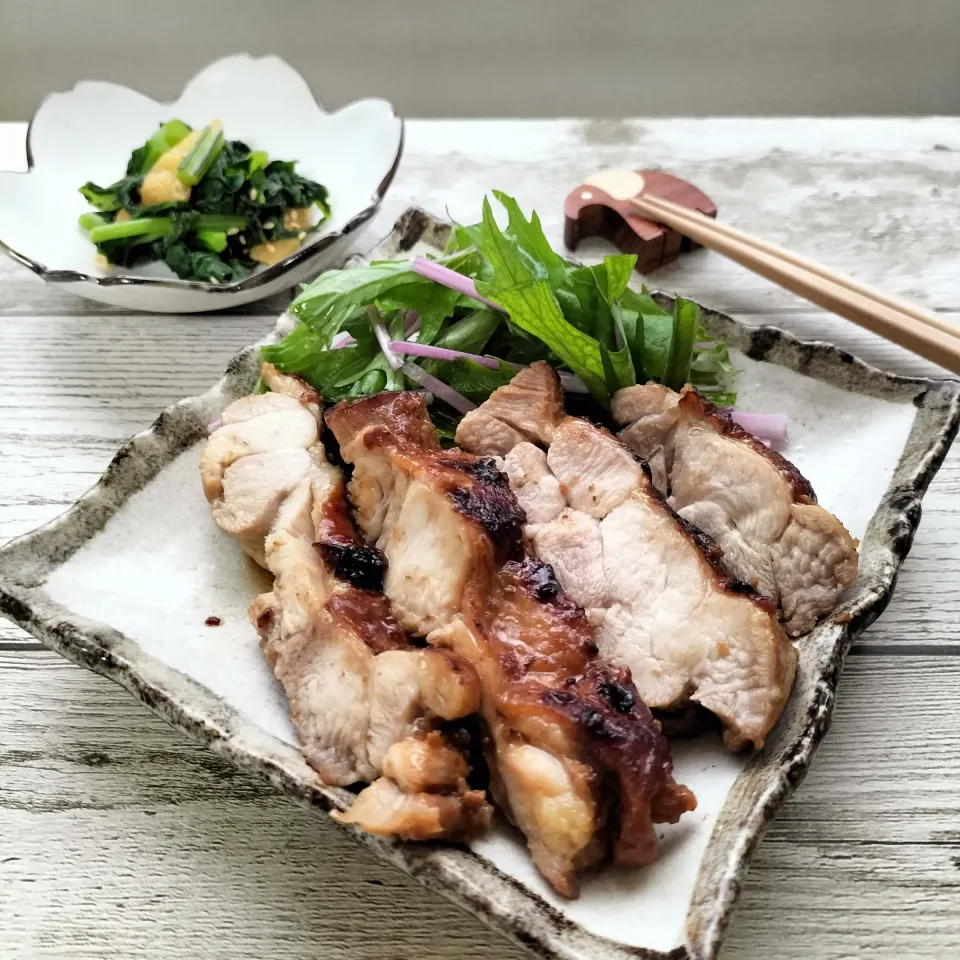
x,y
273,251
161,184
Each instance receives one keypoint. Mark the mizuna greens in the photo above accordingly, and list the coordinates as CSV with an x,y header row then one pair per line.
x,y
211,208
510,299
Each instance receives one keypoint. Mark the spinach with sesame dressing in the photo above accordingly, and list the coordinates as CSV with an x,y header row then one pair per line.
x,y
210,208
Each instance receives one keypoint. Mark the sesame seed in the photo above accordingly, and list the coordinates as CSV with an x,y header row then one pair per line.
x,y
269,225
302,235
271,247
253,193
233,231
214,280
243,239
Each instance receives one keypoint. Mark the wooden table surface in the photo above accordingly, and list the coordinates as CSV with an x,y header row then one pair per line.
x,y
120,839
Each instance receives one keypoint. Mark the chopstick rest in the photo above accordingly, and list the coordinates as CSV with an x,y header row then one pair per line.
x,y
897,320
590,211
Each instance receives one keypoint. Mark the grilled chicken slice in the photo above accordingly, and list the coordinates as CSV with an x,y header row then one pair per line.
x,y
652,583
530,409
423,794
251,425
317,652
358,688
577,761
263,448
750,500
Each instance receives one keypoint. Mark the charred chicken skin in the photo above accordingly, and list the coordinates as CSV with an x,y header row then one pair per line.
x,y
364,700
650,582
577,760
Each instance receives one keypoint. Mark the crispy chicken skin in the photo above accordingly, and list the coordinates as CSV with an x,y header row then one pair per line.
x,y
358,688
650,582
577,761
422,794
755,504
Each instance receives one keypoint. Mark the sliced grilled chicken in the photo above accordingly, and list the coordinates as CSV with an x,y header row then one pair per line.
x,y
357,687
563,726
264,446
652,583
754,503
251,425
530,409
422,795
317,653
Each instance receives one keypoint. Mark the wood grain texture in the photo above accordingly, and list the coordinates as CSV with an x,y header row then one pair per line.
x,y
148,845
119,839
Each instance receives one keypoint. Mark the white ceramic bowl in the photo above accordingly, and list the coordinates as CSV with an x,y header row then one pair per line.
x,y
89,132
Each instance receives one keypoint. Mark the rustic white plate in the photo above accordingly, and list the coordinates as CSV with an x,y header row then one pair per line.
x,y
123,582
88,133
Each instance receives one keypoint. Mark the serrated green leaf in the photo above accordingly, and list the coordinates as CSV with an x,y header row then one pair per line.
x,y
475,381
686,318
532,306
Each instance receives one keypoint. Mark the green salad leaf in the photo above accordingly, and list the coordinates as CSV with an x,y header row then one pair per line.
x,y
520,285
473,380
585,320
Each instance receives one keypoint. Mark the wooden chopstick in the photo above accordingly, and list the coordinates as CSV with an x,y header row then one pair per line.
x,y
935,340
895,303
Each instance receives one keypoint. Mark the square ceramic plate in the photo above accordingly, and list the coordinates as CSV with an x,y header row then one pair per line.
x,y
123,582
88,132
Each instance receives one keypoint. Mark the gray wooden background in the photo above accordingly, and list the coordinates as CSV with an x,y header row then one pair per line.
x,y
501,58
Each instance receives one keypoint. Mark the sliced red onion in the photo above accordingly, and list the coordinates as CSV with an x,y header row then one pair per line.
x,y
705,345
214,425
439,353
449,278
768,426
438,388
411,323
383,338
341,340
572,383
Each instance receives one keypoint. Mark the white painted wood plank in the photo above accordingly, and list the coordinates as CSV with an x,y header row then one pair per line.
x,y
141,843
224,869
873,197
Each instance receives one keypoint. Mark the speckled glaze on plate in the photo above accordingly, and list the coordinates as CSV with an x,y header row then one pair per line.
x,y
123,582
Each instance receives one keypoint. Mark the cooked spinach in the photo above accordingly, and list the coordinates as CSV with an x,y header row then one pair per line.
x,y
238,200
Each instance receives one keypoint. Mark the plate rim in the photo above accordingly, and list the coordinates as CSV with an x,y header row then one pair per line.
x,y
459,874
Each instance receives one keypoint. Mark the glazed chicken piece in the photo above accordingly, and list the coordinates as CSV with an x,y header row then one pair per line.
x,y
755,504
422,794
650,582
530,409
577,761
357,686
263,448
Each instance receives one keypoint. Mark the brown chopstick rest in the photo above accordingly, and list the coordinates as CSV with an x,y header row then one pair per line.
x,y
591,212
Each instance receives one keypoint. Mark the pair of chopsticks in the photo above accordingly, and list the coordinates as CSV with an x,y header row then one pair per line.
x,y
897,320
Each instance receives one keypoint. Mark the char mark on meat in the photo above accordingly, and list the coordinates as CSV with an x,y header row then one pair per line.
x,y
652,583
751,500
457,572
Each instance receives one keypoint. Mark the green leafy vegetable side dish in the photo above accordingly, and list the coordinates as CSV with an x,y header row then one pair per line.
x,y
584,320
209,207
